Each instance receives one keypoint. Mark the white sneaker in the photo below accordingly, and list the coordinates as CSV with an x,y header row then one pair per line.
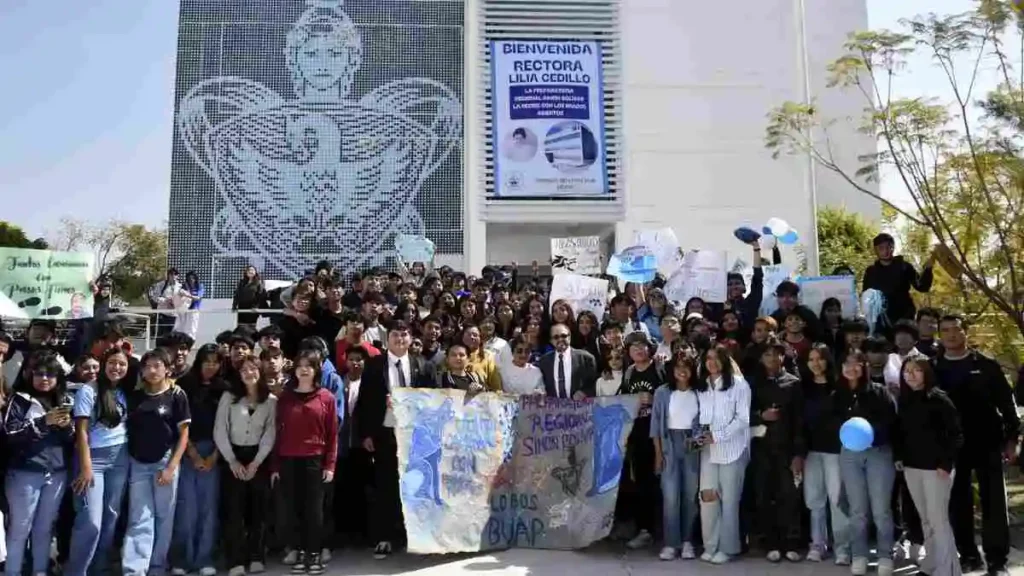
x,y
237,571
641,540
900,551
842,558
325,555
667,553
720,558
815,554
885,566
774,556
687,553
208,571
793,556
918,553
178,572
707,557
859,566
257,568
290,558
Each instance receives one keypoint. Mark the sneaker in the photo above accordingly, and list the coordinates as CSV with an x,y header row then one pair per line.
x,y
842,558
315,566
257,568
793,556
707,557
325,555
290,558
815,554
382,551
970,564
901,551
885,566
207,571
720,558
178,572
918,553
667,553
237,571
859,567
687,553
642,540
774,556
998,571
299,567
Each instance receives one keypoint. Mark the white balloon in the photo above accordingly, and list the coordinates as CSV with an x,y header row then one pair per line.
x,y
778,226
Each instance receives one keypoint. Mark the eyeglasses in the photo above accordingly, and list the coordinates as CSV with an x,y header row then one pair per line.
x,y
559,336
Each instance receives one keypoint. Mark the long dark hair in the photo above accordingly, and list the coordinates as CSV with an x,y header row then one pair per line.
x,y
725,360
42,360
831,374
194,378
686,358
314,360
929,377
108,411
862,359
239,389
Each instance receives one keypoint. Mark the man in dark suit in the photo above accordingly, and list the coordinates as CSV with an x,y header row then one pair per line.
x,y
568,372
374,424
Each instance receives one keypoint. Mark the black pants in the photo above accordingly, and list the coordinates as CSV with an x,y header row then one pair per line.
x,y
246,512
643,502
65,522
354,485
777,499
387,524
995,524
906,521
303,487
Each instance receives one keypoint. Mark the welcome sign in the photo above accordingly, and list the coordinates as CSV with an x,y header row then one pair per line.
x,y
45,284
493,471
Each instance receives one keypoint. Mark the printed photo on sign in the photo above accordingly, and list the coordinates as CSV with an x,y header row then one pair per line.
x,y
520,145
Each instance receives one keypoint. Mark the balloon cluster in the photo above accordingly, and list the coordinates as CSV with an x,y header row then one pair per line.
x,y
777,229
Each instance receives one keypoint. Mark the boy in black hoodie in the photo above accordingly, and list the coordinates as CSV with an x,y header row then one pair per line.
x,y
778,451
894,277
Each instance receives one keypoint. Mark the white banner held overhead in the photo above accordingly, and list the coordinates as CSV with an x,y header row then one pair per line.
x,y
582,292
664,244
580,255
815,290
702,275
548,118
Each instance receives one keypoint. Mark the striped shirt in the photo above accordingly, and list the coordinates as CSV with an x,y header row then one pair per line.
x,y
727,413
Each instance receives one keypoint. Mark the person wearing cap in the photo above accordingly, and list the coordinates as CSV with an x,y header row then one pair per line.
x,y
894,277
787,295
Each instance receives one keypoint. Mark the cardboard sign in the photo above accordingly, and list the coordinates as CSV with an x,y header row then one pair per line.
x,y
582,292
703,275
45,284
815,290
578,255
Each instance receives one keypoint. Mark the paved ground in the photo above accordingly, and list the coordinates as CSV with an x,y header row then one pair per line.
x,y
602,562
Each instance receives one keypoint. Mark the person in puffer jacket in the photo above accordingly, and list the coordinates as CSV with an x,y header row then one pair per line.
x,y
926,443
38,433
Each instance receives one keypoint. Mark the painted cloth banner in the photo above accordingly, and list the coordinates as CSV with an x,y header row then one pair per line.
x,y
45,284
582,293
548,118
815,290
581,255
703,275
495,471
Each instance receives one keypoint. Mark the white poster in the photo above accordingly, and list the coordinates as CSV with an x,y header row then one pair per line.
x,y
702,275
548,118
665,247
582,292
815,290
773,276
581,255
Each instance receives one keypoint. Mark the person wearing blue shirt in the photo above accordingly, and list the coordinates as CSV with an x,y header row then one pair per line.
x,y
101,465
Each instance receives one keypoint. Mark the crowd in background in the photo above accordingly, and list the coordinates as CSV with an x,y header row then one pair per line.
x,y
283,437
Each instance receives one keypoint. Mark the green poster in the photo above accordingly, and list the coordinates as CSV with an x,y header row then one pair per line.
x,y
45,284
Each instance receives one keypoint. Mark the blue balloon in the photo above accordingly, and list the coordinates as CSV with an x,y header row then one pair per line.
x,y
746,235
788,238
856,434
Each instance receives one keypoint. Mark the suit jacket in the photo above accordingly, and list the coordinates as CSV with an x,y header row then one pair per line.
x,y
583,377
368,418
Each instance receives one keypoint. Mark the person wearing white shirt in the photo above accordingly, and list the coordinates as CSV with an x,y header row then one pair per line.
x,y
905,337
610,381
494,343
518,376
725,423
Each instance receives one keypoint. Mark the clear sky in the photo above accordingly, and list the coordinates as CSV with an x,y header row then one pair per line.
x,y
87,103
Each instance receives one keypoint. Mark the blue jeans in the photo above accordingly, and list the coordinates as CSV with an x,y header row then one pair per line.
x,y
867,479
680,479
720,517
33,500
96,512
150,519
195,517
823,493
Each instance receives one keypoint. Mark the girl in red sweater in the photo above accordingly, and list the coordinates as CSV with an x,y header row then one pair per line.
x,y
304,459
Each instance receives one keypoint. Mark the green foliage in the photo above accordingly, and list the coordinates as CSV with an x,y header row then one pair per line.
x,y
844,239
12,236
965,176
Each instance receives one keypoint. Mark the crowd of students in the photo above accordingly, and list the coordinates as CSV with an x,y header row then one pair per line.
x,y
283,438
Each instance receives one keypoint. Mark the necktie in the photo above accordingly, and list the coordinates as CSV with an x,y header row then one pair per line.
x,y
401,374
561,376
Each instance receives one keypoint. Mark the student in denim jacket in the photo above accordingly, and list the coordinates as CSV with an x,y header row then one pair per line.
x,y
675,417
